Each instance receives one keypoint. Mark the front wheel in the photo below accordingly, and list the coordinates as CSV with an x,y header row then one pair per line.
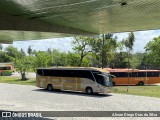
x,y
49,87
113,83
141,83
89,90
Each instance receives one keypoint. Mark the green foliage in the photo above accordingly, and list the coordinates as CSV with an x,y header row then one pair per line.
x,y
98,52
4,57
104,49
1,47
40,60
129,42
7,73
12,52
22,65
153,50
73,59
138,60
81,46
29,50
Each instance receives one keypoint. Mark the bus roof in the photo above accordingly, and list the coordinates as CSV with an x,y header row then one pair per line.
x,y
77,68
130,70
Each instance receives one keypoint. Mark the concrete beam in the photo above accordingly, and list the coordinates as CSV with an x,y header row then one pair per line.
x,y
8,22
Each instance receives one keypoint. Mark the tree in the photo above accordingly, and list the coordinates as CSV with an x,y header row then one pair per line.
x,y
120,56
8,53
138,60
109,49
23,52
129,42
29,50
4,57
1,47
81,46
153,50
73,59
41,59
21,63
104,49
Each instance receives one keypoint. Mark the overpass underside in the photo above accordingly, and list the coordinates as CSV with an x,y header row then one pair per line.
x,y
59,18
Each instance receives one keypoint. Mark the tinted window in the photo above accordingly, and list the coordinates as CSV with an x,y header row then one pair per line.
x,y
69,73
120,74
99,78
66,73
57,73
48,72
139,74
5,68
84,74
39,72
152,74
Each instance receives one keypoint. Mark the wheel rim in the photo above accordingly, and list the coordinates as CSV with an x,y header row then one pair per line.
x,y
49,87
141,83
89,91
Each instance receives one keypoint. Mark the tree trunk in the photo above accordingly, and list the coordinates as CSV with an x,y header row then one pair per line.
x,y
80,62
23,76
102,52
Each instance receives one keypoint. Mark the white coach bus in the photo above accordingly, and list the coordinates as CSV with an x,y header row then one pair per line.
x,y
89,80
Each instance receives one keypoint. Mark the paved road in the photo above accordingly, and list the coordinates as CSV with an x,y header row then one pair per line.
x,y
30,98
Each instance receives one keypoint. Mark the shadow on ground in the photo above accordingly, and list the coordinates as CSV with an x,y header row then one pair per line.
x,y
72,93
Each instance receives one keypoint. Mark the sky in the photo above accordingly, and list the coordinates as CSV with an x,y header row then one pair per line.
x,y
64,44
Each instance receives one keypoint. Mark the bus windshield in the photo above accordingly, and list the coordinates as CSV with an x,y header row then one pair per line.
x,y
103,79
107,79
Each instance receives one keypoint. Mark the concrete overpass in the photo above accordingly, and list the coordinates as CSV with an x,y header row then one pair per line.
x,y
75,17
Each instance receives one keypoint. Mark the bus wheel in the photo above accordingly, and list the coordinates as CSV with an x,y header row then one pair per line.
x,y
113,83
89,90
49,87
141,83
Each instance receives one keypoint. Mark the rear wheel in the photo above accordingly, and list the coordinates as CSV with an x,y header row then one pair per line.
x,y
89,90
49,87
113,83
141,83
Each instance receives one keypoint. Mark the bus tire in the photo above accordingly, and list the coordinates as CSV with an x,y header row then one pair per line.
x,y
141,83
49,87
113,83
89,90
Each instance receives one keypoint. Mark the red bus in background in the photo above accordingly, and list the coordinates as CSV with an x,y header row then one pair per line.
x,y
136,76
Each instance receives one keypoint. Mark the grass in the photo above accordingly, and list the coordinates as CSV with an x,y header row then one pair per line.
x,y
151,91
16,80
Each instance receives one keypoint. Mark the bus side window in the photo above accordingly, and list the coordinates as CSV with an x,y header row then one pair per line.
x,y
115,74
136,74
85,74
39,72
55,73
152,74
69,73
123,74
